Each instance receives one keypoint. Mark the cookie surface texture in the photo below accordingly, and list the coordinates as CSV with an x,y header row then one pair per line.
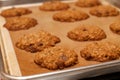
x,y
86,33
54,6
87,3
56,58
20,23
101,51
104,11
36,42
115,27
13,12
70,16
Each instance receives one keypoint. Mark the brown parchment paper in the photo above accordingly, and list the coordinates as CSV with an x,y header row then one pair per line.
x,y
60,29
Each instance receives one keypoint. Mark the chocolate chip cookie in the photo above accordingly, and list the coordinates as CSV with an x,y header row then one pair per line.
x,y
20,23
70,16
101,51
36,42
56,58
87,3
86,33
13,12
115,27
54,6
104,11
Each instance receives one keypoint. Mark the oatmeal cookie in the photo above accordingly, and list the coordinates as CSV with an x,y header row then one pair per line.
x,y
70,16
36,42
54,6
101,51
115,27
13,12
104,11
20,23
87,3
56,58
86,33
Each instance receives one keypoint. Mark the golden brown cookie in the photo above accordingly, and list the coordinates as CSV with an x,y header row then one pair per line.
x,y
104,11
101,51
70,16
36,42
87,3
13,12
86,33
115,27
54,6
56,58
20,23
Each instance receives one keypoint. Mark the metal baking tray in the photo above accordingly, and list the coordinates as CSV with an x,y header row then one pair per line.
x,y
11,69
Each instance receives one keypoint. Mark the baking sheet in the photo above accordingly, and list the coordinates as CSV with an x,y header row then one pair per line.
x,y
8,53
60,29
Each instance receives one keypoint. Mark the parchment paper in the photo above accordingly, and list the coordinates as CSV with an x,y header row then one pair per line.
x,y
60,29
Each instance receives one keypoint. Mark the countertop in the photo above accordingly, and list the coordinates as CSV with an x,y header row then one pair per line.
x,y
112,76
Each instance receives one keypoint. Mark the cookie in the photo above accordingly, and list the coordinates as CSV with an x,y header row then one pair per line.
x,y
54,6
20,23
36,42
13,12
56,58
70,16
115,27
87,3
86,33
101,51
104,11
